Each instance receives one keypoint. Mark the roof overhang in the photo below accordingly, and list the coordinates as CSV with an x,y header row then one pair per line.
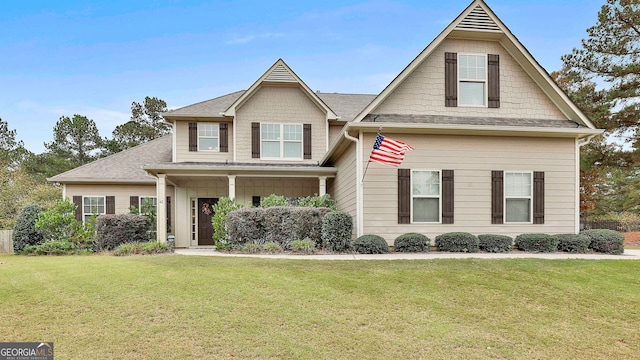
x,y
96,181
222,169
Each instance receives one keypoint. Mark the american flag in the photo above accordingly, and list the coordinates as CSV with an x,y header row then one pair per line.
x,y
388,151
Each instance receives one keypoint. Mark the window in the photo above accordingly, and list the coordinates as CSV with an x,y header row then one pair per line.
x,y
148,205
281,141
208,137
92,205
472,75
517,194
425,196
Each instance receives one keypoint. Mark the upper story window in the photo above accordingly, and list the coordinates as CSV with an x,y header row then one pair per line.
x,y
208,137
281,141
92,205
518,190
472,77
425,196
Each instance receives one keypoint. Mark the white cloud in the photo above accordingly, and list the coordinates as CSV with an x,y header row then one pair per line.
x,y
248,38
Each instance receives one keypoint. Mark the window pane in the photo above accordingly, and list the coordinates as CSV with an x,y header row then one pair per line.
x,y
292,132
472,67
209,144
271,149
426,210
518,210
270,131
293,150
426,183
518,184
205,129
471,93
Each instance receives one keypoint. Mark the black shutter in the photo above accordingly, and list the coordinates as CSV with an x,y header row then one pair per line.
x,y
255,140
110,207
538,197
306,140
447,196
169,213
494,80
193,136
134,202
451,79
497,197
77,201
404,196
224,137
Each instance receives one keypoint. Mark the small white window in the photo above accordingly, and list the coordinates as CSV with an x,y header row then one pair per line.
x,y
92,206
147,205
518,190
472,80
425,196
281,141
208,137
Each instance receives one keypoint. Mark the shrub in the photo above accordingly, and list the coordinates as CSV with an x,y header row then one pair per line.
x,y
306,246
142,248
336,231
59,223
220,211
308,223
245,225
370,244
318,201
574,243
605,241
411,242
54,247
495,243
115,230
24,231
272,247
457,242
536,242
273,200
251,247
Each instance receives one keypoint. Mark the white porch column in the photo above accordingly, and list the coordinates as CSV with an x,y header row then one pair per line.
x,y
232,186
322,186
161,210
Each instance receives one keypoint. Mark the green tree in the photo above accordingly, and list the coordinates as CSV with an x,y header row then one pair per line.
x,y
12,152
75,139
146,124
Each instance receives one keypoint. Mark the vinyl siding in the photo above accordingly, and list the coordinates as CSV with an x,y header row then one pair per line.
x,y
182,146
280,105
342,188
423,92
334,130
472,158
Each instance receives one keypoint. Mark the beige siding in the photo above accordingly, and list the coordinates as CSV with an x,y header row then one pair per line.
x,y
343,187
334,130
182,146
423,91
473,159
280,104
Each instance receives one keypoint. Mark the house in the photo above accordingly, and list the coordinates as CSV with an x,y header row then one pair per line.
x,y
497,147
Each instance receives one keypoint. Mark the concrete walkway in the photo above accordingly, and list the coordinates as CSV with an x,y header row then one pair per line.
x,y
628,255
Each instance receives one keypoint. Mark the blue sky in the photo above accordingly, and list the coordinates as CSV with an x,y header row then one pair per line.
x,y
95,57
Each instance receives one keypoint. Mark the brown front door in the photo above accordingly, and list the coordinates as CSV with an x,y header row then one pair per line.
x,y
205,229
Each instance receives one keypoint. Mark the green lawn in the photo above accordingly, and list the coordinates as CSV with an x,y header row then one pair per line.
x,y
172,306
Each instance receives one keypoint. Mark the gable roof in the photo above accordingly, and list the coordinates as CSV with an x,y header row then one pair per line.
x,y
280,73
478,21
208,108
122,167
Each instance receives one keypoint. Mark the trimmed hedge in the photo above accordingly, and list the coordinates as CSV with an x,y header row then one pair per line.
x,y
24,231
411,242
573,243
115,230
537,242
245,226
605,241
370,244
494,243
457,242
337,227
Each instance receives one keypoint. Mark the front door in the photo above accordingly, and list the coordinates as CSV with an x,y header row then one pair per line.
x,y
205,228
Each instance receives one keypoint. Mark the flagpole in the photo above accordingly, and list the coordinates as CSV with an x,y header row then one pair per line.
x,y
369,162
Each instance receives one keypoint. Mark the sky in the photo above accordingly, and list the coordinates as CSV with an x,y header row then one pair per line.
x,y
94,58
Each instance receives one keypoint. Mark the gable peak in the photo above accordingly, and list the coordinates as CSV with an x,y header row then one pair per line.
x,y
478,20
280,73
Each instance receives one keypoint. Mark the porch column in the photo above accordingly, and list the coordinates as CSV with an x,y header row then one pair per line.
x,y
161,209
232,187
322,188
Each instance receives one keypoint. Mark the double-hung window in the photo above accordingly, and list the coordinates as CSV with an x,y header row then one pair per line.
x,y
92,205
148,205
208,137
425,196
518,189
472,79
281,141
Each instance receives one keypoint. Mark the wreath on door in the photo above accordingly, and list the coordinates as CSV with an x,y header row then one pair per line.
x,y
206,209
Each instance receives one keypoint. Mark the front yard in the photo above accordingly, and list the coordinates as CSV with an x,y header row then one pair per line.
x,y
176,306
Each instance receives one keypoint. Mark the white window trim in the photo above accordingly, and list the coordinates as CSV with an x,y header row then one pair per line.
x,y
427,196
485,81
208,137
104,200
140,198
282,141
505,197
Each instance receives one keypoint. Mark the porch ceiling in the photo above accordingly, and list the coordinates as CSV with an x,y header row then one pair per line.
x,y
189,170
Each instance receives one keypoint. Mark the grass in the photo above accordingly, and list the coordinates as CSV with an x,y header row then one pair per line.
x,y
176,306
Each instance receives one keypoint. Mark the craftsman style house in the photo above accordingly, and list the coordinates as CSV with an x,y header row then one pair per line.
x,y
496,142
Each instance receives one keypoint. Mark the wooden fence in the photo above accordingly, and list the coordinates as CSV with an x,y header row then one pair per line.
x,y
622,226
6,242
